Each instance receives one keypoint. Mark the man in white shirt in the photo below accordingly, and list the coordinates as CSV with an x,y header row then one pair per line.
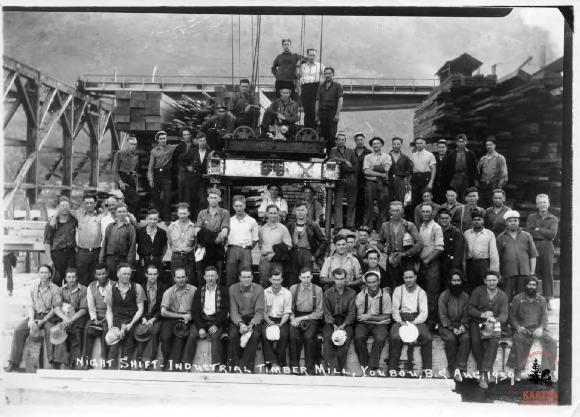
x,y
242,237
376,166
310,77
276,199
278,307
424,170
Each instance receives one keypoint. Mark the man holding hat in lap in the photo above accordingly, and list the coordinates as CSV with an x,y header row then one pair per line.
x,y
97,325
278,307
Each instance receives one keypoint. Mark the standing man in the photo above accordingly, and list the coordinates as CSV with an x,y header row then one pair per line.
x,y
424,170
373,306
151,246
180,239
60,240
274,239
217,128
178,336
285,68
305,320
517,254
493,169
212,228
543,227
453,246
410,306
278,307
120,243
328,107
440,184
431,235
125,305
242,238
529,319
391,241
282,111
400,171
455,209
454,325
246,314
193,165
89,239
376,168
360,150
181,159
245,106
125,174
308,244
347,160
96,326
314,210
159,175
471,199
344,261
480,251
493,218
211,305
460,167
310,75
339,314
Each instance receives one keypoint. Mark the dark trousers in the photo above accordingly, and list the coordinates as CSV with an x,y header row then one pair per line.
x,y
130,192
398,188
276,354
336,356
192,191
305,334
419,181
380,333
19,340
545,266
147,351
89,341
212,257
349,187
446,266
250,118
74,342
396,273
521,349
376,190
308,97
176,349
236,259
62,259
430,281
186,261
217,349
8,273
460,181
245,358
360,201
484,350
475,272
161,194
513,286
299,258
86,261
328,127
485,189
280,84
396,345
125,347
140,272
457,348
265,267
112,261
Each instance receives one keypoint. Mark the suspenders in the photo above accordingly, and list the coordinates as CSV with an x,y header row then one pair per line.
x,y
380,302
295,299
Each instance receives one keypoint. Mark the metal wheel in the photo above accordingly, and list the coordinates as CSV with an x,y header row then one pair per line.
x,y
244,132
307,134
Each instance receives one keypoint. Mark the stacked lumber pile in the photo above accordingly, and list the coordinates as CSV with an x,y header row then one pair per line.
x,y
137,111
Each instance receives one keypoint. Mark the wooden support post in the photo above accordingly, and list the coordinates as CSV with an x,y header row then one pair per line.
x,y
329,187
31,89
94,151
67,153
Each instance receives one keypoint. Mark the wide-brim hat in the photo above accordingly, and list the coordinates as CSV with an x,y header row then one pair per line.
x,y
58,335
142,333
181,330
376,138
408,333
339,337
113,336
35,334
95,329
273,333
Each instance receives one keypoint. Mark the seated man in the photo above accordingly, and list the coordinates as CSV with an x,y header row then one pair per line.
x,y
488,309
373,306
217,128
282,111
178,347
154,290
75,295
278,307
372,265
305,320
125,304
246,313
245,106
454,325
210,309
410,306
529,319
43,300
339,314
343,260
97,325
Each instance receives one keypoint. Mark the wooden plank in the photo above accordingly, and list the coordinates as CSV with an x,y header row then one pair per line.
x,y
9,83
137,119
11,111
26,101
138,99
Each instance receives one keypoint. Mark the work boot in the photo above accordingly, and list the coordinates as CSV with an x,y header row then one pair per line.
x,y
483,382
11,367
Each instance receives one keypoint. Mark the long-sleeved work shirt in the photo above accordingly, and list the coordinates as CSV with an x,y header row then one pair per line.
x,y
453,309
336,304
246,301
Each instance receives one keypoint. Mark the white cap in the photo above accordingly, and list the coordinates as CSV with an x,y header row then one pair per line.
x,y
511,213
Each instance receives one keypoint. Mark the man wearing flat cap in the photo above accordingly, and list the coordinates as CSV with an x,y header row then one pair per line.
x,y
376,168
517,254
529,320
218,127
159,175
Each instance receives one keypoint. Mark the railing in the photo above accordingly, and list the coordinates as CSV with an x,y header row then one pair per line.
x,y
205,82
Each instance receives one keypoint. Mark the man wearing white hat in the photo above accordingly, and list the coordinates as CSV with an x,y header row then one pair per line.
x,y
278,307
517,254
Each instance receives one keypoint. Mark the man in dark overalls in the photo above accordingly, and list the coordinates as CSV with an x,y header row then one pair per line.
x,y
159,175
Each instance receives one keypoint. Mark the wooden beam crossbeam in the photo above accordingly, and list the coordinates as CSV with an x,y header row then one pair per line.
x,y
26,102
11,111
44,110
9,83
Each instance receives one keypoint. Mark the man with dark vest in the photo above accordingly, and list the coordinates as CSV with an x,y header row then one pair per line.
x,y
125,174
192,167
151,246
460,167
97,326
159,175
125,305
373,306
178,341
305,319
154,290
209,313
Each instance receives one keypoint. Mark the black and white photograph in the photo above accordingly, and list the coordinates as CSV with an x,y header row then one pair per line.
x,y
310,207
